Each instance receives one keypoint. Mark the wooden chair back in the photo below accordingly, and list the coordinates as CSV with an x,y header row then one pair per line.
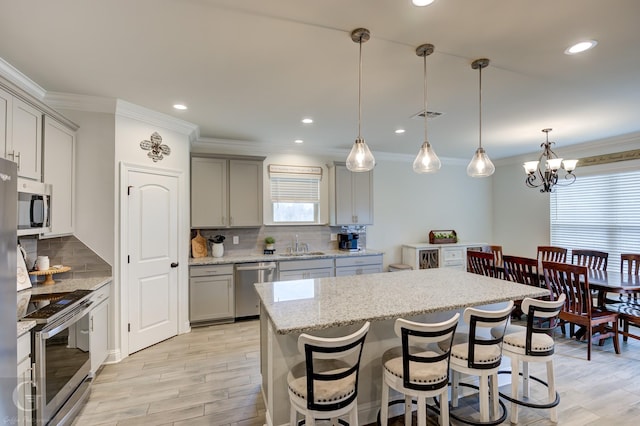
x,y
552,254
497,254
591,259
572,281
481,263
523,270
632,261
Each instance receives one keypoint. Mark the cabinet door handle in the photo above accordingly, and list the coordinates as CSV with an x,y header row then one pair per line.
x,y
92,324
18,157
174,264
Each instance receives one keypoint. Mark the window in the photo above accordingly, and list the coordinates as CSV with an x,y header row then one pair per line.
x,y
599,213
295,194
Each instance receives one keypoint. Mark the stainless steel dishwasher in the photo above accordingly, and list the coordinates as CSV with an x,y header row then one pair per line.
x,y
246,275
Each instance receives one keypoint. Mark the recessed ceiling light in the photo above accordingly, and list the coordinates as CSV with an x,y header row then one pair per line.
x,y
400,131
422,2
299,141
180,106
307,120
581,47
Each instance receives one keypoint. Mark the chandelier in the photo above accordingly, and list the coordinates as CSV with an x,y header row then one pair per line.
x,y
548,178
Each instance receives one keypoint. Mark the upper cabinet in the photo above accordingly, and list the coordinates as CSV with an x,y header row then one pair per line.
x,y
21,135
226,192
59,161
350,196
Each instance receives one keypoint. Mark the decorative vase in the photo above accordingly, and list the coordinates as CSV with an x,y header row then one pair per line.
x,y
270,247
217,249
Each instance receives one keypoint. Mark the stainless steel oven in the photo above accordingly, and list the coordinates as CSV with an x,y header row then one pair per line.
x,y
62,361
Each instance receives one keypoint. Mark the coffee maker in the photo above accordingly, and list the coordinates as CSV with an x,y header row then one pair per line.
x,y
348,241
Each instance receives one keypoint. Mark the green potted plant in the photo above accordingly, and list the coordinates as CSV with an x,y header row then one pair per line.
x,y
269,243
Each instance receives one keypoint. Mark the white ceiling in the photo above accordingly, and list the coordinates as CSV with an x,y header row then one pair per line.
x,y
250,70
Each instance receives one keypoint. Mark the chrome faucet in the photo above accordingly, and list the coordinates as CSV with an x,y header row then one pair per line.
x,y
295,245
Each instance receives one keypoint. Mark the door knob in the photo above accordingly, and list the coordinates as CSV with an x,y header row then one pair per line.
x,y
174,264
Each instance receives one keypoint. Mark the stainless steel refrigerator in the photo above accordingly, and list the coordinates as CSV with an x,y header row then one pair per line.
x,y
8,305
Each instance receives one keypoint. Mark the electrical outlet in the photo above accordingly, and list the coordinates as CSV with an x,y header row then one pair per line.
x,y
236,239
334,237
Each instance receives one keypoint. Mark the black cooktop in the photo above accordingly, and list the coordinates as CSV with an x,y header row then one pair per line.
x,y
43,307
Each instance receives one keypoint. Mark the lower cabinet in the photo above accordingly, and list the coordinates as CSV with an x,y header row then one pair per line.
x,y
99,328
358,265
211,293
305,269
24,390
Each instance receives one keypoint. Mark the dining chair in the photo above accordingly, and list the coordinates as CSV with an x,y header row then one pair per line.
x,y
592,259
419,369
631,261
578,309
534,343
552,254
481,263
522,270
326,384
497,259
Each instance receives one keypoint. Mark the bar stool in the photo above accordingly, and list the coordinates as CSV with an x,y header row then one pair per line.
x,y
328,385
480,356
534,344
418,369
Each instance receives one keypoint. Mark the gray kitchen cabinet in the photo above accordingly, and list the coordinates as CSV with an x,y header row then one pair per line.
x,y
99,327
211,293
358,265
6,105
350,196
21,135
23,396
226,192
59,171
305,269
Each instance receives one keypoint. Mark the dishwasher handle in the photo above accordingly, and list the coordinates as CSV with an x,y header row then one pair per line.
x,y
257,267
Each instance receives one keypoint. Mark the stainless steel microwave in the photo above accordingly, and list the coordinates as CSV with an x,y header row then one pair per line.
x,y
34,207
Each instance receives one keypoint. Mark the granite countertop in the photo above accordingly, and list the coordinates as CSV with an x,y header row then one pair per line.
x,y
315,304
61,286
259,257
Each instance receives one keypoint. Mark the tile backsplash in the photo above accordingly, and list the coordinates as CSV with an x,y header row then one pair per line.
x,y
251,240
67,251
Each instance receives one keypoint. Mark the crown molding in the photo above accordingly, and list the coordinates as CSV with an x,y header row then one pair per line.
x,y
13,75
612,145
232,146
154,118
81,102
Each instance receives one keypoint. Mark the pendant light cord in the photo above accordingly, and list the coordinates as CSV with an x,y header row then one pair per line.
x,y
480,107
424,57
360,88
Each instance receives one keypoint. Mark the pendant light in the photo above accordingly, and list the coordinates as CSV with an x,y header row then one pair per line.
x,y
480,165
360,158
426,161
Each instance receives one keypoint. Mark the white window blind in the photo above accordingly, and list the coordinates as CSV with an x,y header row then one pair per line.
x,y
599,212
295,193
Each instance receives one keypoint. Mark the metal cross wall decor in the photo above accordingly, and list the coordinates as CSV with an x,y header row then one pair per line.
x,y
156,148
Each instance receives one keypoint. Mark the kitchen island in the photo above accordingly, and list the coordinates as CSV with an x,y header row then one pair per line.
x,y
338,306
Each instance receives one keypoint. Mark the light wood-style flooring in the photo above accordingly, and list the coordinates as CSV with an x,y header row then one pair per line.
x,y
211,376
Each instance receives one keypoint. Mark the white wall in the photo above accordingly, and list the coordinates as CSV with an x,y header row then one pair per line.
x,y
129,132
521,214
94,209
408,205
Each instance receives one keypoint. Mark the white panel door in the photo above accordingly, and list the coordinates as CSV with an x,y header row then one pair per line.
x,y
153,257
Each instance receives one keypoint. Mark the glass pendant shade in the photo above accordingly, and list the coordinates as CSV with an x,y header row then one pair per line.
x,y
480,165
427,161
360,158
569,165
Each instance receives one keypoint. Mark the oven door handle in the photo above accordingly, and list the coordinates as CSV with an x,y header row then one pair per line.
x,y
72,318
